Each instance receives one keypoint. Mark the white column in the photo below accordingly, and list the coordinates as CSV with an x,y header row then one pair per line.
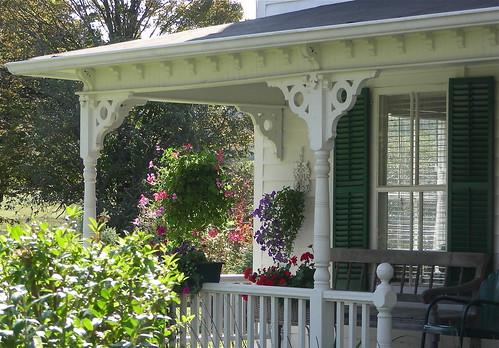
x,y
90,199
322,231
321,312
99,115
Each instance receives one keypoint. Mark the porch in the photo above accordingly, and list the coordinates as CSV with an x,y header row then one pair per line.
x,y
392,302
232,314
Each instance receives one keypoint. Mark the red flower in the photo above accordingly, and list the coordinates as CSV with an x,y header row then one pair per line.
x,y
307,256
293,260
247,273
245,297
161,230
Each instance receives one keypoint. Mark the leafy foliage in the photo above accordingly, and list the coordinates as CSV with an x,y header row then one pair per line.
x,y
39,119
56,292
130,20
30,108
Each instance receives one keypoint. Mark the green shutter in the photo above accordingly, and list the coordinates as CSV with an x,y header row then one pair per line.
x,y
351,180
471,164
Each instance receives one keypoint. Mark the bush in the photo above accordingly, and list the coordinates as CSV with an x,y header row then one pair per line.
x,y
56,292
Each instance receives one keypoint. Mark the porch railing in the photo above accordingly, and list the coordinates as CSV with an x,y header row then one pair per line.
x,y
241,315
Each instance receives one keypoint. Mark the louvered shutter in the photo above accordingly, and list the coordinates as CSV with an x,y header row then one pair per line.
x,y
471,164
351,182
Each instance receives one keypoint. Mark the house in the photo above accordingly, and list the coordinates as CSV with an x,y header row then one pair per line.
x,y
410,166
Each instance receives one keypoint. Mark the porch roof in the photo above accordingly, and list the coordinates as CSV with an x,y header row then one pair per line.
x,y
349,20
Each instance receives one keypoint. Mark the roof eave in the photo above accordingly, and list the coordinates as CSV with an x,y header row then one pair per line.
x,y
66,66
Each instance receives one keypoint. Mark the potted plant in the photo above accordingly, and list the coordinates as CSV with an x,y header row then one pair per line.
x,y
281,217
280,274
190,196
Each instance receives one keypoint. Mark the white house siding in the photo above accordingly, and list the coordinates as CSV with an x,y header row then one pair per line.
x,y
272,7
275,174
272,173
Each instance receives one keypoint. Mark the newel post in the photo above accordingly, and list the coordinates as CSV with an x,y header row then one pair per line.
x,y
384,298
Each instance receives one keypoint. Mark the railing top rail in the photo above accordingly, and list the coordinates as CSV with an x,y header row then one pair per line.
x,y
350,296
273,291
300,293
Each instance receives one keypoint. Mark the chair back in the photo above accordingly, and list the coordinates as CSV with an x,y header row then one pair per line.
x,y
489,290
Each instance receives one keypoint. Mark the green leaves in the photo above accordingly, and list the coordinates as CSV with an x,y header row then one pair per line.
x,y
55,292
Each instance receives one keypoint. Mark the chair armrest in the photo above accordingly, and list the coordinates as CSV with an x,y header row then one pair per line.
x,y
442,298
430,294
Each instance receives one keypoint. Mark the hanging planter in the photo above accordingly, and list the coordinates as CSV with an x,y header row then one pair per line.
x,y
281,217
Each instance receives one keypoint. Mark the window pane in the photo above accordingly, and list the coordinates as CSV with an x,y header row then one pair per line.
x,y
431,163
434,220
399,220
396,137
414,219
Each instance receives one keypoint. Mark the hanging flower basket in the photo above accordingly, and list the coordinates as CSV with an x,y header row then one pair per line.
x,y
281,217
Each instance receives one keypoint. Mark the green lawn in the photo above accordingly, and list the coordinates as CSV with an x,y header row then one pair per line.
x,y
26,213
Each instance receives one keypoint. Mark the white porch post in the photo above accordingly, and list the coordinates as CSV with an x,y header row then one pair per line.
x,y
89,199
322,240
99,115
321,99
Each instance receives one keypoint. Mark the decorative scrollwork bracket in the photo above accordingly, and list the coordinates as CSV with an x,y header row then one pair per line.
x,y
100,115
268,120
321,99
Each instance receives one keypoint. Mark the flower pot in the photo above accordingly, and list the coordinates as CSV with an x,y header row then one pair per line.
x,y
209,272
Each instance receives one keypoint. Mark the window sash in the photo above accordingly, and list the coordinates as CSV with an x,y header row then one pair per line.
x,y
412,166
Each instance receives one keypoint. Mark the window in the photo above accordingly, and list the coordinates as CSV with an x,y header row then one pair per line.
x,y
429,183
412,171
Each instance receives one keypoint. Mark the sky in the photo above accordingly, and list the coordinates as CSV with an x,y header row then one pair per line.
x,y
249,8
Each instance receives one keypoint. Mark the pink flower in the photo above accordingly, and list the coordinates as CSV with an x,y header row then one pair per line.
x,y
160,211
143,200
160,195
158,148
213,232
174,196
187,147
151,177
174,155
151,164
217,167
219,184
186,290
219,156
136,221
228,193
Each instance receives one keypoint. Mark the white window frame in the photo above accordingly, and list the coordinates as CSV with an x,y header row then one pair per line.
x,y
375,238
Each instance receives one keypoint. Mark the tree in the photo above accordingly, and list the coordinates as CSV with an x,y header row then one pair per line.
x,y
29,28
44,163
125,20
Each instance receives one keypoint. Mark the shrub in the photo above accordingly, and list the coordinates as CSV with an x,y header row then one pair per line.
x,y
56,292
